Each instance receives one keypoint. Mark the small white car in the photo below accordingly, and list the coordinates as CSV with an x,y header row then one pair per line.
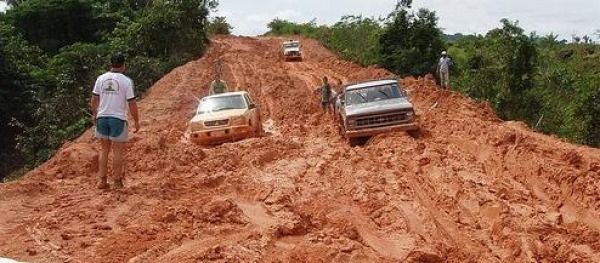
x,y
225,117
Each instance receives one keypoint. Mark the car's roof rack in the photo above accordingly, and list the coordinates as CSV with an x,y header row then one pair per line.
x,y
393,77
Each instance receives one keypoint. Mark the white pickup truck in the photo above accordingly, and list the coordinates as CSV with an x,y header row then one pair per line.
x,y
291,50
371,107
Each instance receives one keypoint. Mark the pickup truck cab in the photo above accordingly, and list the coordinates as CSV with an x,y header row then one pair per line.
x,y
372,107
225,117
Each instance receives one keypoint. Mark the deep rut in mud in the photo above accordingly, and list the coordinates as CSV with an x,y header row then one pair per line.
x,y
469,188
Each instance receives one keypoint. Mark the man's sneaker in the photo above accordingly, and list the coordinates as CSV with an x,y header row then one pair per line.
x,y
118,183
102,184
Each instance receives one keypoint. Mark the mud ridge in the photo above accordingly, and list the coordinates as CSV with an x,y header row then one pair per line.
x,y
471,188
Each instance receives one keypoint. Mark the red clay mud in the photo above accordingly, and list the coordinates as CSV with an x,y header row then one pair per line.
x,y
470,188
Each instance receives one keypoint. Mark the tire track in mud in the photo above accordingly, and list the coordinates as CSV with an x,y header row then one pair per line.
x,y
248,75
470,189
533,191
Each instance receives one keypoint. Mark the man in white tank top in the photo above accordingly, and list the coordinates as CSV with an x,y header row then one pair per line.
x,y
113,98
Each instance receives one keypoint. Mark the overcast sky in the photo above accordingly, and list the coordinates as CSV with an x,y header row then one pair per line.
x,y
465,16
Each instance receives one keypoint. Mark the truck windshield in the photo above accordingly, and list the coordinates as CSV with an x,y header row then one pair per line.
x,y
214,104
373,93
291,45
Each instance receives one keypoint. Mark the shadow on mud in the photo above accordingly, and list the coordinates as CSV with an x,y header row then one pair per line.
x,y
359,141
364,141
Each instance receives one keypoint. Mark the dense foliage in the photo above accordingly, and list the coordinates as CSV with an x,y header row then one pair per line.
x,y
411,42
218,26
340,37
552,85
407,43
53,24
51,51
500,68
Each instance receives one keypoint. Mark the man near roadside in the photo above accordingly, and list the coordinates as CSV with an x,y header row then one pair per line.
x,y
112,99
443,69
325,95
218,85
332,100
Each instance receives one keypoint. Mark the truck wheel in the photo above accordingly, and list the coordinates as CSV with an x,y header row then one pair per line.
x,y
416,133
358,141
340,126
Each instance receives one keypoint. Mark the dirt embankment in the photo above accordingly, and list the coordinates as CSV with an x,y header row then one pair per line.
x,y
471,188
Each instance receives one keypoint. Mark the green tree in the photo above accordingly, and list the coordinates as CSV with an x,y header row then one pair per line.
x,y
164,29
501,68
52,24
410,43
219,26
590,112
18,99
45,92
279,27
342,38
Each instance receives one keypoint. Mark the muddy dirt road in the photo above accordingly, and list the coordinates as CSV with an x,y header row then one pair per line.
x,y
471,188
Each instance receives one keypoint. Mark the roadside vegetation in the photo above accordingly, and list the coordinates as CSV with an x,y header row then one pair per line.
x,y
51,51
552,85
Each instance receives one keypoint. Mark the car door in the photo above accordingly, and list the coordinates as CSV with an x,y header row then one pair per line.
x,y
254,111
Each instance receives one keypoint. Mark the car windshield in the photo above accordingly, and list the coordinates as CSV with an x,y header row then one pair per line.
x,y
373,93
291,45
214,104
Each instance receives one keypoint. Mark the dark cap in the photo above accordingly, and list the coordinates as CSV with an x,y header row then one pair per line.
x,y
117,60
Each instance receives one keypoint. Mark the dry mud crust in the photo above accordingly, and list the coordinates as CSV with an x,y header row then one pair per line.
x,y
469,188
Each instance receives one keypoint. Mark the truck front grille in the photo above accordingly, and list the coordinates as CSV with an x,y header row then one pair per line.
x,y
216,123
382,120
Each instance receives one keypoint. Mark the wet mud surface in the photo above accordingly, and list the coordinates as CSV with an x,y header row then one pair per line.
x,y
469,188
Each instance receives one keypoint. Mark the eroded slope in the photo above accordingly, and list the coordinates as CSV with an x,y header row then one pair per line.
x,y
471,188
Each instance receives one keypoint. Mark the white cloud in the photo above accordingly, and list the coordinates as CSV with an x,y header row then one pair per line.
x,y
543,16
288,14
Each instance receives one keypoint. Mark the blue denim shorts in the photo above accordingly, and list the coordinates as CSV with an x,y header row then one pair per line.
x,y
113,129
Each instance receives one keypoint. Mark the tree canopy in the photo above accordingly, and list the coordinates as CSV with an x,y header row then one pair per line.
x,y
51,51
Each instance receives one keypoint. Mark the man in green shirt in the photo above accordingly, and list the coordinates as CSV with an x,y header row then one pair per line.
x,y
218,86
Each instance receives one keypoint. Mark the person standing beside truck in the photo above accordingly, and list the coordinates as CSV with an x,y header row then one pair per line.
x,y
113,98
325,95
332,100
218,85
443,69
